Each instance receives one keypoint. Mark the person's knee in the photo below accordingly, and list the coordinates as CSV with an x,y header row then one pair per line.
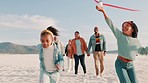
x,y
77,62
83,63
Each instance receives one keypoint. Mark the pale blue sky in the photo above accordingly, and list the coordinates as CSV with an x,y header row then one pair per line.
x,y
21,21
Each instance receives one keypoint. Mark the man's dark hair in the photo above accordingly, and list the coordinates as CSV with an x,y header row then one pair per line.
x,y
53,30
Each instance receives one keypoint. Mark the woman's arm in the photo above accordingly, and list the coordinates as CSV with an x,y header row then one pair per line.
x,y
66,49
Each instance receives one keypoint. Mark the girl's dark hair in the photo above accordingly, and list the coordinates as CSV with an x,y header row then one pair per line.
x,y
53,30
134,27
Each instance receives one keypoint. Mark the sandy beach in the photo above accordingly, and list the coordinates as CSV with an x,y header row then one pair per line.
x,y
25,69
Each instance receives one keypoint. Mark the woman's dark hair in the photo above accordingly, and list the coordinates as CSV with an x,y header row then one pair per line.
x,y
53,30
134,27
77,32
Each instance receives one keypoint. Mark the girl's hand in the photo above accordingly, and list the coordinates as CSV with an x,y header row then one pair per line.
x,y
100,9
72,56
58,67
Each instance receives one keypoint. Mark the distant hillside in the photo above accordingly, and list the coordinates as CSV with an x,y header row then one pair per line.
x,y
112,52
10,48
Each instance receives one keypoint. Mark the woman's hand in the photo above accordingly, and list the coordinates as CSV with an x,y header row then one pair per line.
x,y
104,53
100,9
88,55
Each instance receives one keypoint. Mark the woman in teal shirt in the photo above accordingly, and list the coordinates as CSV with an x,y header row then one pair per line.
x,y
128,47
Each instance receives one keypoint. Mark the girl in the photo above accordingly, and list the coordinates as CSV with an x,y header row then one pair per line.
x,y
128,48
69,54
57,40
51,59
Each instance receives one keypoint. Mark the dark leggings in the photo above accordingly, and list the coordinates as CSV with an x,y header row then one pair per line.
x,y
82,61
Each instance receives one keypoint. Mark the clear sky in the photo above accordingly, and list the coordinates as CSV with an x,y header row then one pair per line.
x,y
21,21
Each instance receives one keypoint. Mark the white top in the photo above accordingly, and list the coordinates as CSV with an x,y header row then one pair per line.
x,y
48,59
61,45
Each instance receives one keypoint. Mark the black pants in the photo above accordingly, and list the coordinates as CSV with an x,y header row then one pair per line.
x,y
82,61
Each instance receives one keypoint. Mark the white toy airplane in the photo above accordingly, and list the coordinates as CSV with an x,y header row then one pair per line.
x,y
100,4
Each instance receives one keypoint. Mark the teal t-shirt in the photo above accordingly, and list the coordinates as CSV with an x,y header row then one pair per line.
x,y
128,47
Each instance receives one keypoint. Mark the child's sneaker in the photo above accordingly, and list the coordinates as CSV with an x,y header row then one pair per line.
x,y
98,76
85,74
101,75
68,70
76,75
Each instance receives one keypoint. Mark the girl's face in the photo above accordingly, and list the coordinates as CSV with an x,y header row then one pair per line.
x,y
127,29
46,40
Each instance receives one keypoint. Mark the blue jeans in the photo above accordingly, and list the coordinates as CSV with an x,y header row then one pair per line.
x,y
47,77
125,71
